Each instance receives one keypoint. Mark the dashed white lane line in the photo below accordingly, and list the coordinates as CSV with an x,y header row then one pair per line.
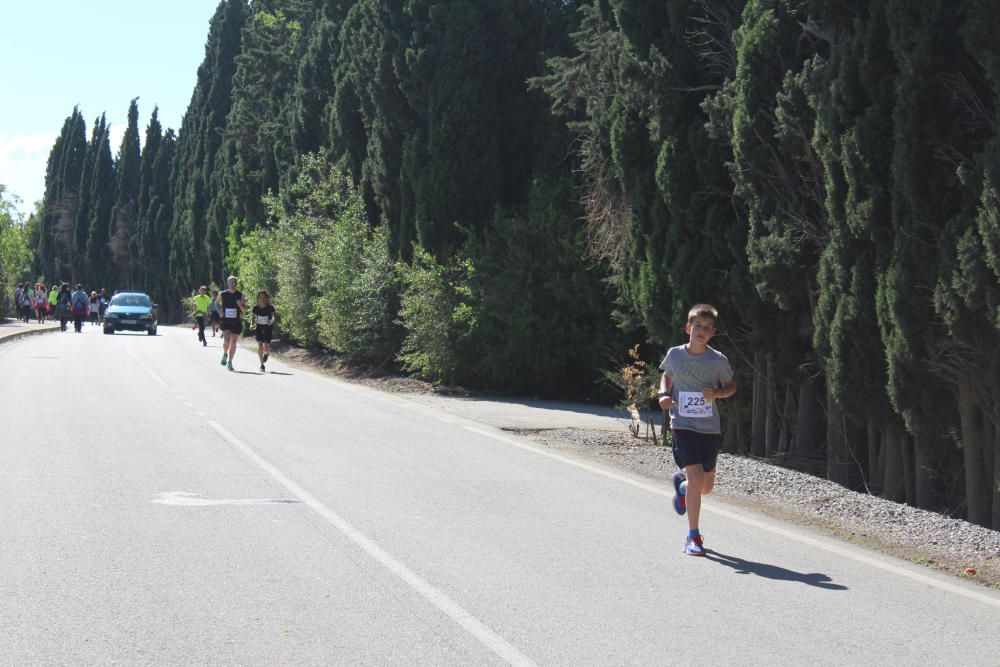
x,y
490,639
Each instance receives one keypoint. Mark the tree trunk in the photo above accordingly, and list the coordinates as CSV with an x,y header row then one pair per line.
x,y
787,421
923,449
909,476
808,421
893,487
773,416
993,435
730,436
838,468
875,458
977,497
758,421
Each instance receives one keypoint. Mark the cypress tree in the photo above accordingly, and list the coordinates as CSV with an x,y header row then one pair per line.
x,y
921,203
256,152
148,184
101,199
159,216
125,210
57,239
198,145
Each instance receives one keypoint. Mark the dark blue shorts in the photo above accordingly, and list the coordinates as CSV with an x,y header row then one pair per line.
x,y
692,448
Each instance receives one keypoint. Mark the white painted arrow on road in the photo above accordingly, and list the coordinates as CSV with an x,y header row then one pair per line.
x,y
194,500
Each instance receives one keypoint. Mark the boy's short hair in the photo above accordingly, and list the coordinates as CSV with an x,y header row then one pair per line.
x,y
704,310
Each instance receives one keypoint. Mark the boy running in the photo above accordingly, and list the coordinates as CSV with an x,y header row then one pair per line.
x,y
263,322
231,305
694,376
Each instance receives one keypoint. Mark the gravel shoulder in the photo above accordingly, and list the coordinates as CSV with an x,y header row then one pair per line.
x,y
920,536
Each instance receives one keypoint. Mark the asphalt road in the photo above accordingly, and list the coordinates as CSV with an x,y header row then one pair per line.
x,y
157,509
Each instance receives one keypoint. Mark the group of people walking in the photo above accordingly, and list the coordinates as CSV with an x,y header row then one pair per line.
x,y
226,310
60,303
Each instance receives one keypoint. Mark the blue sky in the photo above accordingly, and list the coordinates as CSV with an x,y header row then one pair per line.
x,y
98,55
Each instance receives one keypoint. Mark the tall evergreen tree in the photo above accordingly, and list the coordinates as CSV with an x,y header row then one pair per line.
x,y
101,200
198,144
56,249
149,182
125,210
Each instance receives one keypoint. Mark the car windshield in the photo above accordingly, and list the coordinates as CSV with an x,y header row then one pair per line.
x,y
140,300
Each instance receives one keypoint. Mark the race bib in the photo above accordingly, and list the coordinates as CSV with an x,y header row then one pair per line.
x,y
230,313
263,319
694,404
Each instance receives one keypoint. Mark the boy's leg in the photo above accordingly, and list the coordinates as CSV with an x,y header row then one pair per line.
x,y
709,483
693,492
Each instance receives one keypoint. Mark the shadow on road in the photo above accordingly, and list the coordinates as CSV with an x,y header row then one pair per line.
x,y
278,373
767,571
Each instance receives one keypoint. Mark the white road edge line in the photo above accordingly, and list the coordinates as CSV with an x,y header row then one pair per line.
x,y
467,621
847,553
475,427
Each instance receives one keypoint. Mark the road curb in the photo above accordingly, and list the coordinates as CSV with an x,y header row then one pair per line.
x,y
17,335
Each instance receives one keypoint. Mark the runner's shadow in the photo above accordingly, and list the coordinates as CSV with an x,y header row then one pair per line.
x,y
767,571
248,372
277,373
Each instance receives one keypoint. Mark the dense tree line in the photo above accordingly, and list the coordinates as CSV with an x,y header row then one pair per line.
x,y
15,250
509,193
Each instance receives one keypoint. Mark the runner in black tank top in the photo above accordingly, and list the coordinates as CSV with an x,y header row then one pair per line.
x,y
263,326
230,303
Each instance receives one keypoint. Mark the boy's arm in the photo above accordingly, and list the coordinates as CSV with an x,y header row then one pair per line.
x,y
728,389
666,383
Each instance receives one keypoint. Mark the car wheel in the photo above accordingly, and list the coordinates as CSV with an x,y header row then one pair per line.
x,y
108,331
152,332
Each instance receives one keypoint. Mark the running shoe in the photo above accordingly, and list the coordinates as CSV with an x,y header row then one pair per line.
x,y
225,360
204,343
680,500
229,365
262,370
694,546
266,355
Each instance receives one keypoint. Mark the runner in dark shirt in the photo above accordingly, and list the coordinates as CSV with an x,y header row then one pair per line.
x,y
230,303
263,324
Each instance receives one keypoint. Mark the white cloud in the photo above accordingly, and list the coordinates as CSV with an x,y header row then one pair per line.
x,y
23,159
22,166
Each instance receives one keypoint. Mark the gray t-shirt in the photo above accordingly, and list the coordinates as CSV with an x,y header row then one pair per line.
x,y
693,374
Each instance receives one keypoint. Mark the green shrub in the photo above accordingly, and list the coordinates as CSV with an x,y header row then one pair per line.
x,y
544,320
355,277
15,253
439,317
330,275
256,263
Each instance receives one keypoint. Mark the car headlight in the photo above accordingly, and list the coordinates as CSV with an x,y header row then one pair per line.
x,y
110,316
147,316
